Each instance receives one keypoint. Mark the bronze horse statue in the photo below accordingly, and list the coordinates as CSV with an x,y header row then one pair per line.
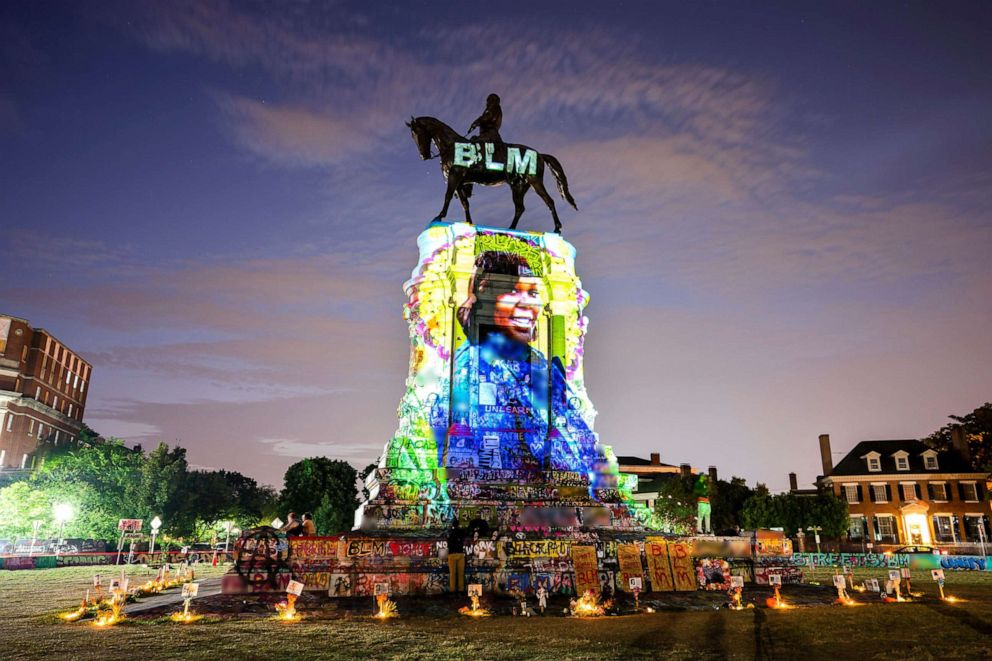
x,y
460,177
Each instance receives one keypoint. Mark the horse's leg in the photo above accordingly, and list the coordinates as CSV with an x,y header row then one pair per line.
x,y
453,183
463,198
518,190
539,188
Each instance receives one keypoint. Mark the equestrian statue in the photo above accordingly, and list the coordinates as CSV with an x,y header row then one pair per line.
x,y
487,160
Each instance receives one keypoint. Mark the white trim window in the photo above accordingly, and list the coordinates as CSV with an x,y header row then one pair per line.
x,y
969,492
851,494
939,491
908,490
24,461
930,461
943,528
856,528
3,455
30,428
880,493
874,464
886,528
902,460
10,422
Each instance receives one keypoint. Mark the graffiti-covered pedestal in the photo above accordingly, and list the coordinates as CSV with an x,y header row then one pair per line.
x,y
495,430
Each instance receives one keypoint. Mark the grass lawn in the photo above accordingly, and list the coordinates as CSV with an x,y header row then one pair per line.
x,y
924,629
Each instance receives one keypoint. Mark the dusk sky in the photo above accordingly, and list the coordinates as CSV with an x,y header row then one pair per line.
x,y
785,213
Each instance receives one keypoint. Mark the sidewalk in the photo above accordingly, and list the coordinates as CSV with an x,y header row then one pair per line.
x,y
208,588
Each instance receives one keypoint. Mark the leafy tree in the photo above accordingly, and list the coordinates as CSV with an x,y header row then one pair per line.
x,y
161,490
793,512
21,505
323,485
977,427
676,503
727,500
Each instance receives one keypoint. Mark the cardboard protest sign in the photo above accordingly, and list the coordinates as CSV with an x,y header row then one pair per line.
x,y
774,579
840,581
190,590
475,590
737,581
659,566
872,585
635,583
295,587
937,574
586,569
894,575
381,588
682,569
97,580
629,557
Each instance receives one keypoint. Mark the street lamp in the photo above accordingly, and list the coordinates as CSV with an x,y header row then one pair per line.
x,y
34,535
156,524
63,512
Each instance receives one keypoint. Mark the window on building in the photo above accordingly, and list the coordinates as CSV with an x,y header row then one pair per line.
x,y
851,493
3,455
943,528
24,461
70,410
10,422
938,491
908,491
41,430
969,491
37,393
879,493
68,375
874,465
976,528
930,461
30,427
56,437
75,382
55,403
902,463
886,525
856,528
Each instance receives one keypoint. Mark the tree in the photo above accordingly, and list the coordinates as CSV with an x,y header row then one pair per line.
x,y
727,501
676,504
323,485
161,490
793,512
977,427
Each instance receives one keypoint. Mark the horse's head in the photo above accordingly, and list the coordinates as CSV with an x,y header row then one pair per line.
x,y
421,137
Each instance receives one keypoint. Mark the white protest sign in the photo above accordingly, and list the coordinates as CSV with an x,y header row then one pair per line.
x,y
475,589
97,581
124,583
295,587
905,572
871,585
894,575
737,582
840,581
115,584
190,590
277,522
381,588
635,583
937,574
847,569
774,579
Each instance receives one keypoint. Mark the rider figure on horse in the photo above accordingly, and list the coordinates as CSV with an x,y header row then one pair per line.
x,y
489,122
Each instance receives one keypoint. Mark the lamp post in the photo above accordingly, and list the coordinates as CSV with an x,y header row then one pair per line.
x,y
227,537
63,512
156,524
816,535
34,535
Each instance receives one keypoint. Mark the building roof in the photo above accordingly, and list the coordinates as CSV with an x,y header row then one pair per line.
x,y
948,461
629,460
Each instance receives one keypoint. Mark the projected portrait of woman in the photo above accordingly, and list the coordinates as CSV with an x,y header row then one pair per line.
x,y
502,382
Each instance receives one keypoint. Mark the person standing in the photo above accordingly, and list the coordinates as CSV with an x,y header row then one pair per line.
x,y
309,527
456,558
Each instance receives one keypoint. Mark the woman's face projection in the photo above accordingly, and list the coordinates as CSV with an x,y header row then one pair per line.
x,y
516,310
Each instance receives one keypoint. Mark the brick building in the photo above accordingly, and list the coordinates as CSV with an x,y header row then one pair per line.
x,y
903,492
43,389
652,473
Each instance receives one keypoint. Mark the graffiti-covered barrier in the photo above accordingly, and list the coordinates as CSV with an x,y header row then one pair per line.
x,y
922,561
352,564
95,559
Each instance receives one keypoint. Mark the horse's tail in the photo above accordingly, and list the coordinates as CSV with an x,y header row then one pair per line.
x,y
560,178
